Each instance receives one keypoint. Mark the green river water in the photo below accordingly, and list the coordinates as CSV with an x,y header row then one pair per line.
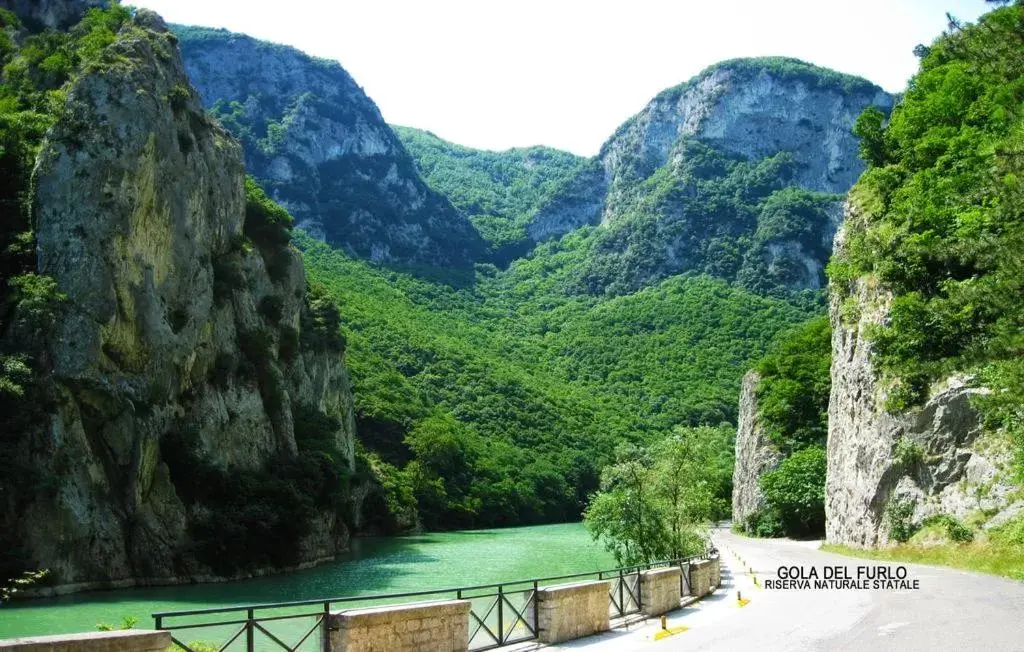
x,y
392,565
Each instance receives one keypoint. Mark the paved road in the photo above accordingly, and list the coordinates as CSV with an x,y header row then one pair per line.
x,y
952,610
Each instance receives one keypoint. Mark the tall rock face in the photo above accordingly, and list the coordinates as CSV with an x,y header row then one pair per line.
x,y
56,14
185,350
885,467
321,148
755,454
662,184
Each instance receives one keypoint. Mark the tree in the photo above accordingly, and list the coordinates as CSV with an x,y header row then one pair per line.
x,y
869,128
796,489
685,491
625,512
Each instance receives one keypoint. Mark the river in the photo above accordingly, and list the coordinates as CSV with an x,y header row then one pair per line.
x,y
391,565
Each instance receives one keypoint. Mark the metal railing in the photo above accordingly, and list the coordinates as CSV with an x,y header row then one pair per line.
x,y
500,614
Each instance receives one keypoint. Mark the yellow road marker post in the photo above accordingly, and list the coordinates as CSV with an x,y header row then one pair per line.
x,y
740,600
667,631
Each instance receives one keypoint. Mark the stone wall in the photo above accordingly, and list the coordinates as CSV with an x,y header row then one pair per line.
x,y
572,611
434,626
659,590
701,577
132,640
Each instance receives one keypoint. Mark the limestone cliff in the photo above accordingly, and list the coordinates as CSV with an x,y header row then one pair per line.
x,y
755,454
931,460
56,14
186,348
321,148
658,184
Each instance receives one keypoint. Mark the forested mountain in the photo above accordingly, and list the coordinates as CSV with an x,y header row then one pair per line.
x,y
319,146
499,191
494,397
737,173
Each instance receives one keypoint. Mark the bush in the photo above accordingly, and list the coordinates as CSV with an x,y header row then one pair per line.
x,y
266,222
955,530
321,321
765,522
796,490
908,453
899,514
228,277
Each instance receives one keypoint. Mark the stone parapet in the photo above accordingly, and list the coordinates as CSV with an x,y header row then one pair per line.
x,y
421,626
128,640
572,611
700,577
659,590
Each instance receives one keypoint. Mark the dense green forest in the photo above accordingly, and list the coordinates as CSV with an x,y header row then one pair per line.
x,y
941,220
498,403
499,191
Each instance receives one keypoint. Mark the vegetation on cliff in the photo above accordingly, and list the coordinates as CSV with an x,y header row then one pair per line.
x,y
245,310
792,408
942,223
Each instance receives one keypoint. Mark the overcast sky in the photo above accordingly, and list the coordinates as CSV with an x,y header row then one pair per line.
x,y
502,73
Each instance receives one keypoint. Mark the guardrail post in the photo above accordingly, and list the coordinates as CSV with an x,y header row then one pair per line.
x,y
159,622
536,610
249,620
639,591
501,621
622,602
325,628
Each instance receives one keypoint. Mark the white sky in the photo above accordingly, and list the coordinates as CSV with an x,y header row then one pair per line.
x,y
501,73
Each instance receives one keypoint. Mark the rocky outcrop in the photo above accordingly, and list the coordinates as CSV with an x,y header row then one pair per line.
x,y
175,328
321,148
935,459
748,108
56,14
663,187
755,454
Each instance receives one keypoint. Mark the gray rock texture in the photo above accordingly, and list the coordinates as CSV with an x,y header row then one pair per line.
x,y
741,107
58,14
953,467
321,148
139,209
755,454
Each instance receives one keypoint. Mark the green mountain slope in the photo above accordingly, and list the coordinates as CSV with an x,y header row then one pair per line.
x,y
536,389
499,191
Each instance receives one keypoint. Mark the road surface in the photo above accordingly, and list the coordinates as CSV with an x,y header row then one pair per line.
x,y
952,610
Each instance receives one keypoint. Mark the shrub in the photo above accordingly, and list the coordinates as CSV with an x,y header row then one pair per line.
x,y
899,514
908,453
955,530
321,321
224,366
765,522
266,222
178,97
228,277
288,344
796,489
